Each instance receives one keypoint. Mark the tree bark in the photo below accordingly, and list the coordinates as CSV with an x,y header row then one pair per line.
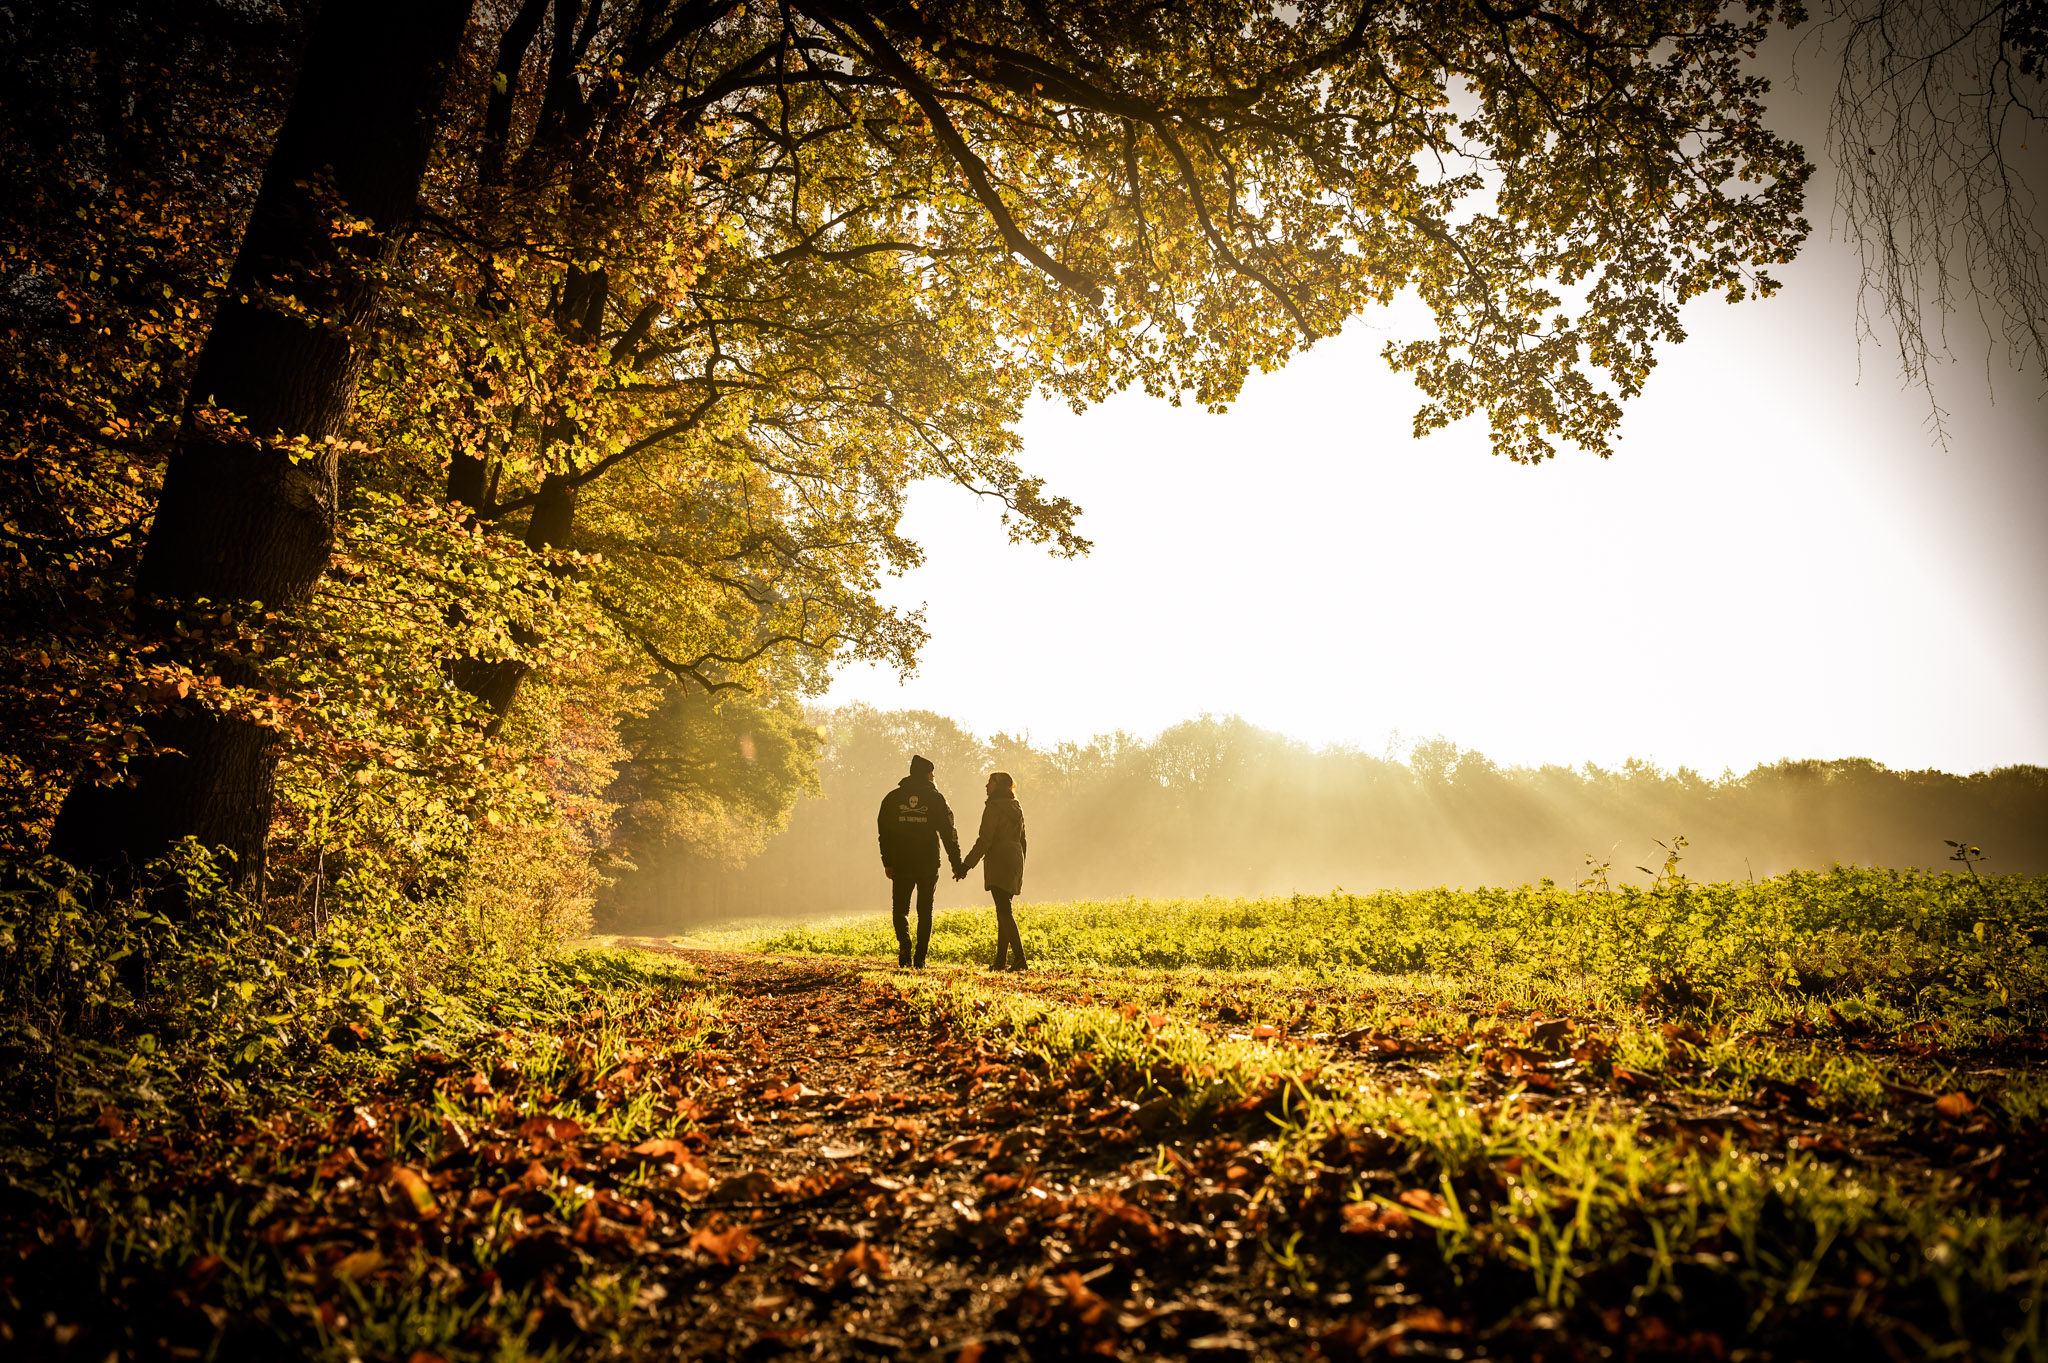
x,y
241,519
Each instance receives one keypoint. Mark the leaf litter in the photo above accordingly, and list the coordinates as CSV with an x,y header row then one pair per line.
x,y
844,1164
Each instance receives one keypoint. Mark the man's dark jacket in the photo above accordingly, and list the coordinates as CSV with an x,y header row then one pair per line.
x,y
913,818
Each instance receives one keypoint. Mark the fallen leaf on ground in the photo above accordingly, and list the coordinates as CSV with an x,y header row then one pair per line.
x,y
550,1128
1430,1321
357,1264
414,1186
748,1187
860,1259
1425,1201
1373,1218
727,1244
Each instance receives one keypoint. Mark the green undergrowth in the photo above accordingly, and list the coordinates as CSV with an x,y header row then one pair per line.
x,y
1889,946
221,1140
1583,1209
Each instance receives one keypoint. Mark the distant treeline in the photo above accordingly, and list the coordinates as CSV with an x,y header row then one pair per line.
x,y
1218,806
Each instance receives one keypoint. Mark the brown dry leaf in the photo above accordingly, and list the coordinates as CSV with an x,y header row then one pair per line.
x,y
1425,1201
804,1129
748,1187
1263,1031
361,1262
727,1244
1954,1105
1430,1321
860,1259
658,1148
550,1128
1371,1218
414,1185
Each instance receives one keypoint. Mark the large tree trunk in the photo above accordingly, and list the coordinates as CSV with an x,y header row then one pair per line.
x,y
241,520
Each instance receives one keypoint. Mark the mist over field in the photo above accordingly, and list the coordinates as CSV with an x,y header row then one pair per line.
x,y
1216,806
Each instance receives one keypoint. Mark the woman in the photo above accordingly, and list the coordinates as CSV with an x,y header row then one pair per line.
x,y
1000,850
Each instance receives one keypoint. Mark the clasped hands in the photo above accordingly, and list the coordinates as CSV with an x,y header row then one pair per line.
x,y
959,872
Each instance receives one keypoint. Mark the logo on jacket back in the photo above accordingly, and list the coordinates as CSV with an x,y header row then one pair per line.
x,y
912,802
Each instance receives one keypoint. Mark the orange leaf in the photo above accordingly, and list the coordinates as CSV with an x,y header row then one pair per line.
x,y
1954,1105
414,1186
727,1244
1264,1030
1370,1218
1425,1201
1429,1320
860,1259
550,1128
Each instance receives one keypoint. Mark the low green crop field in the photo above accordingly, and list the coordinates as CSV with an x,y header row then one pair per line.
x,y
1706,1112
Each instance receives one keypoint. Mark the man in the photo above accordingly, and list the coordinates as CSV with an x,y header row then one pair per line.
x,y
913,820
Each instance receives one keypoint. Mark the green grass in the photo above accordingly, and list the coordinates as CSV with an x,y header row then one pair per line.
x,y
1852,987
1581,1207
1891,946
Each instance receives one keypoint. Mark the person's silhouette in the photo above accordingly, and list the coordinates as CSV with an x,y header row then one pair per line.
x,y
1000,850
913,820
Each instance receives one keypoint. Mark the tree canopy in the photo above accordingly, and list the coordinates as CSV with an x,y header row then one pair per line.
x,y
695,293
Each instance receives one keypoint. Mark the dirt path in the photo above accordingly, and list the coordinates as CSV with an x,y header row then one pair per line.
x,y
876,1184
882,1188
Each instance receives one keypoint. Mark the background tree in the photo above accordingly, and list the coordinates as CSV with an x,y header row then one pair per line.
x,y
1218,806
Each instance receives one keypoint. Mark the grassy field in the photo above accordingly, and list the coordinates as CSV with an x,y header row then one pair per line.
x,y
1751,1111
1802,1118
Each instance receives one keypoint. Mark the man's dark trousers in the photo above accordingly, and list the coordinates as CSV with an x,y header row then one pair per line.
x,y
901,884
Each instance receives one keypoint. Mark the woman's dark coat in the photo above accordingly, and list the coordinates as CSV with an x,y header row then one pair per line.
x,y
1000,845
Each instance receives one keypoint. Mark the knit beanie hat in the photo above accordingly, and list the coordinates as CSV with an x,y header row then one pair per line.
x,y
920,766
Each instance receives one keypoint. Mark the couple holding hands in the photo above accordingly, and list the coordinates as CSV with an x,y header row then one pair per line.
x,y
913,821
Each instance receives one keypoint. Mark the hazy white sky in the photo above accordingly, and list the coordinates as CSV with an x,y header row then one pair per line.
x,y
1777,562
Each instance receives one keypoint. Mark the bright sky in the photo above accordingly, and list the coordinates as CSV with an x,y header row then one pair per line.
x,y
1778,562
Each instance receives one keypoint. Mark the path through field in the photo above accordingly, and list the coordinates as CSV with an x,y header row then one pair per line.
x,y
752,1157
880,1180
889,1189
